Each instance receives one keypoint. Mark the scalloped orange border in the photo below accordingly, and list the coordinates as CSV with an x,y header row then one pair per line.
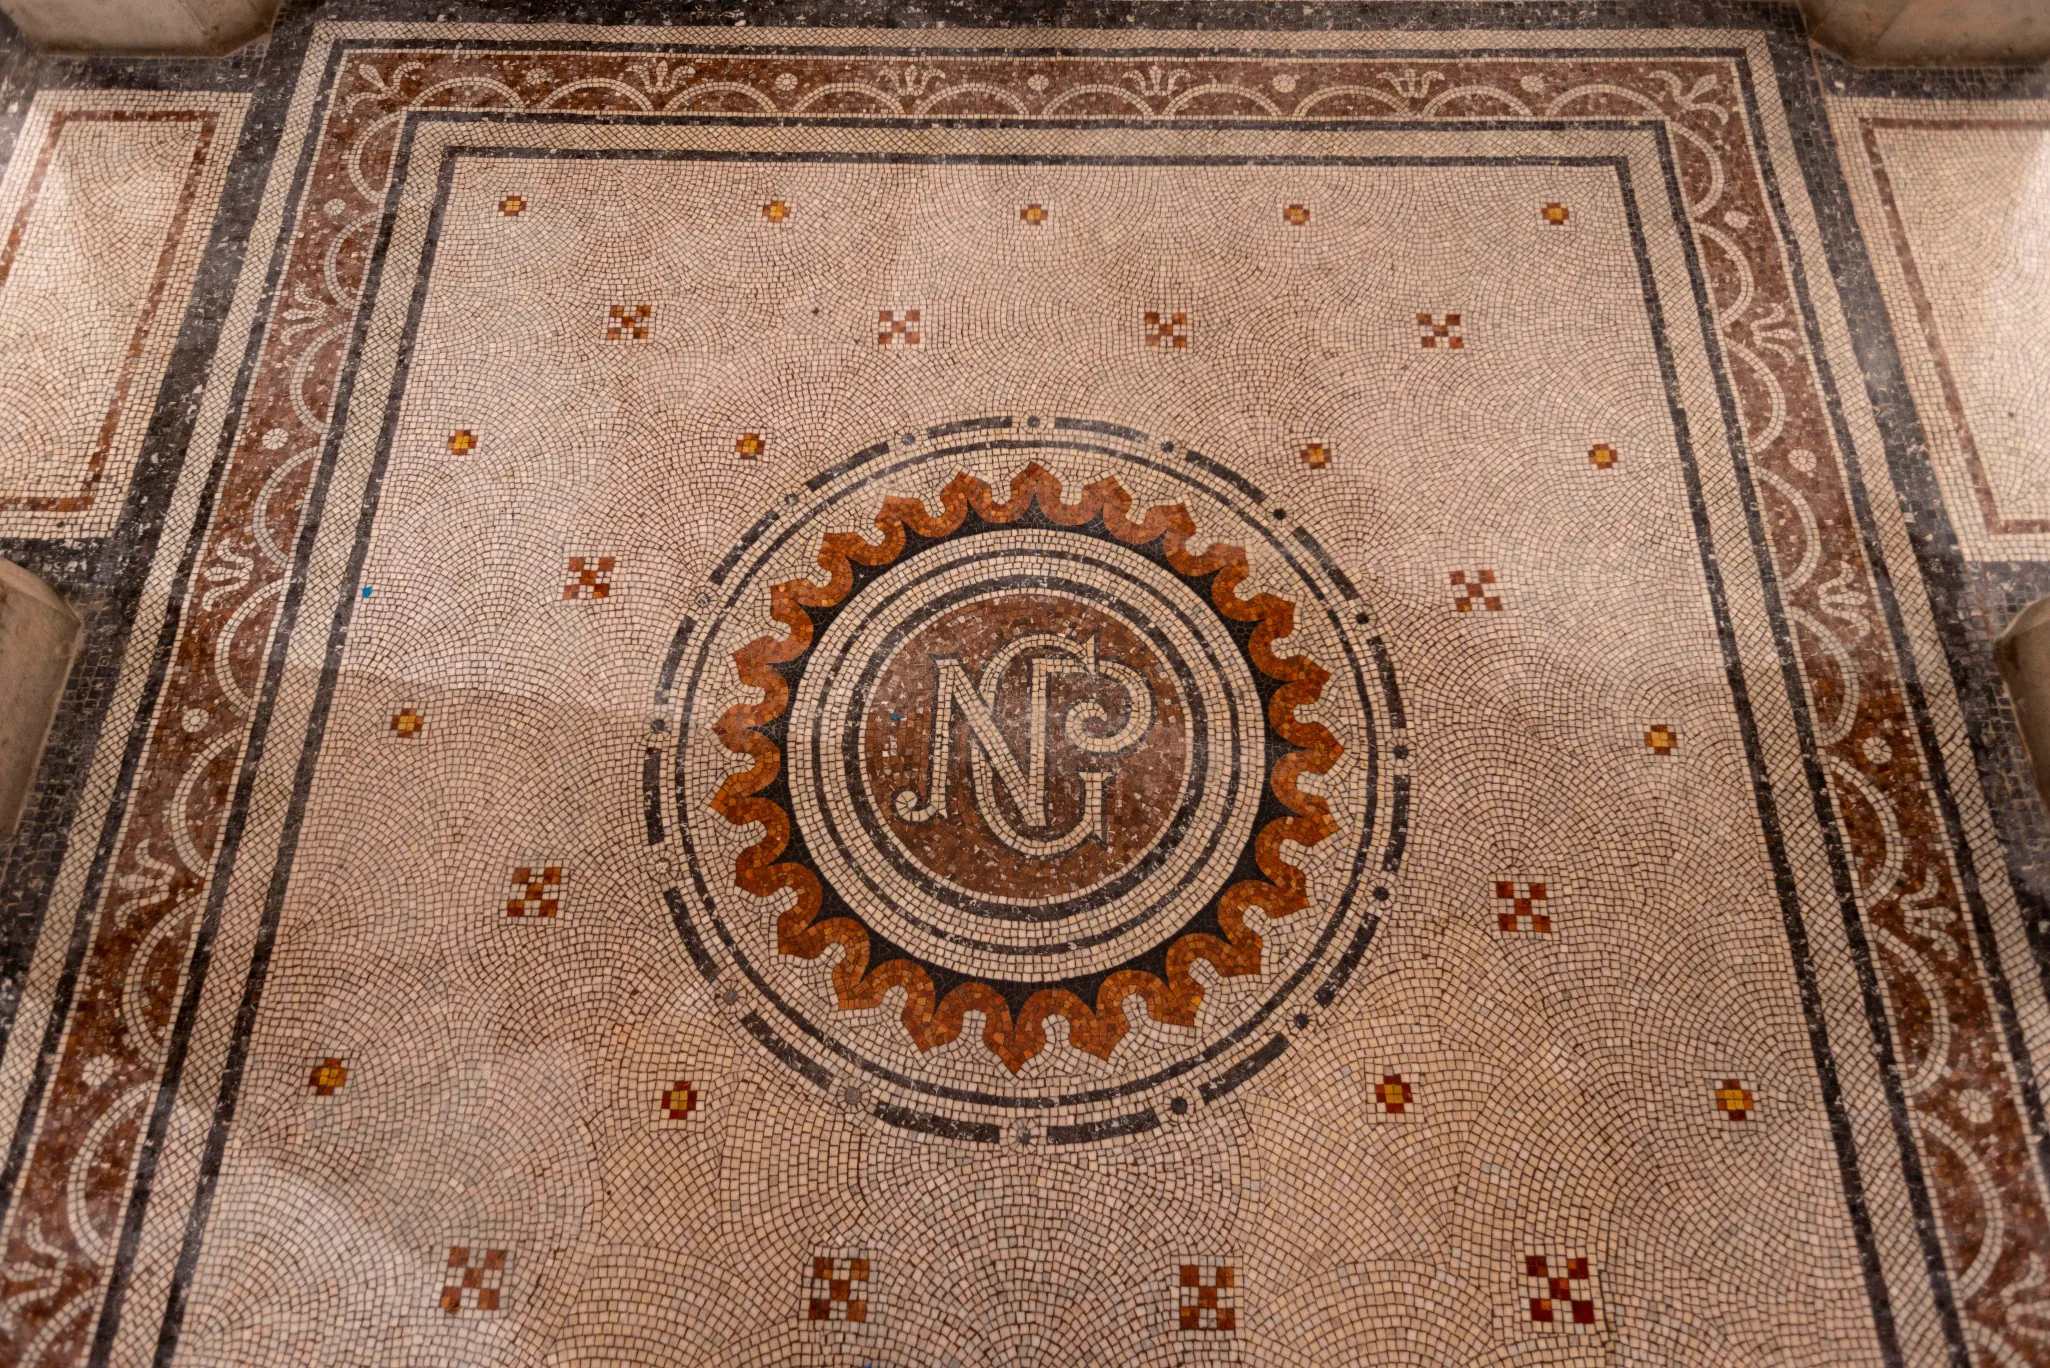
x,y
1173,1000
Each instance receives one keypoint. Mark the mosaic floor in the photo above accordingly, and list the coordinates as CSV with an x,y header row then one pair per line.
x,y
1136,694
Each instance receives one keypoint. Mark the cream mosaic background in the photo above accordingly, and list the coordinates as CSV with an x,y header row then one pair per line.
x,y
504,1074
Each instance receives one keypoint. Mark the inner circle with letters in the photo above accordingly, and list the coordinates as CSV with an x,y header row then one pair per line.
x,y
1076,746
1029,755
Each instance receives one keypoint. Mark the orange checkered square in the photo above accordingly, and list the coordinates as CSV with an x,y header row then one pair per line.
x,y
1206,1297
473,1279
837,1289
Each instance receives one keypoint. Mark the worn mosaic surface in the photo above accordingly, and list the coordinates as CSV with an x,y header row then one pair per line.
x,y
997,696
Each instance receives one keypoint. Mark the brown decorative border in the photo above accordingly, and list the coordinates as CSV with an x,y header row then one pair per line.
x,y
1925,308
1957,1090
1097,1030
160,281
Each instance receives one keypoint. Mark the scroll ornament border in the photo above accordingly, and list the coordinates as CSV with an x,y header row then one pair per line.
x,y
1959,1080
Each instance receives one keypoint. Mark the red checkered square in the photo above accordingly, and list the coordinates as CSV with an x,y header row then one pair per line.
x,y
536,891
1443,332
1167,329
1523,905
837,1289
473,1279
1561,1291
590,577
1473,589
1206,1297
899,329
628,322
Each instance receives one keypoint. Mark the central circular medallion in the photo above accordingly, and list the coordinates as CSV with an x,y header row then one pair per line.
x,y
1008,744
1011,803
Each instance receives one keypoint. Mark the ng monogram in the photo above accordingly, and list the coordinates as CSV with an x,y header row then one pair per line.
x,y
992,761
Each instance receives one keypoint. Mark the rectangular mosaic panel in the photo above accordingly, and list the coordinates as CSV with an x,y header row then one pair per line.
x,y
1079,662
104,212
1950,196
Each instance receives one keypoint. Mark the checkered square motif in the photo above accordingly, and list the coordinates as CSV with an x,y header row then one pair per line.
x,y
1555,214
1393,1095
898,329
473,1279
1523,905
590,577
407,723
1206,1297
1661,739
1443,332
1167,330
1560,1290
1473,589
328,1076
629,322
536,891
1735,1100
679,1099
837,1290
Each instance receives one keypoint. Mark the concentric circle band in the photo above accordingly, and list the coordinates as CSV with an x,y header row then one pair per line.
x,y
1178,842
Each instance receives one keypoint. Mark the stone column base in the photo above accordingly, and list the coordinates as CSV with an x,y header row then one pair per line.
x,y
38,637
185,27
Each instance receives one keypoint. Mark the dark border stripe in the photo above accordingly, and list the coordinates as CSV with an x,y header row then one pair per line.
x,y
820,481
747,538
1398,823
693,944
931,1123
957,426
651,793
1331,567
1236,1076
1100,428
785,1051
1342,971
1132,1123
1226,474
1379,647
665,683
